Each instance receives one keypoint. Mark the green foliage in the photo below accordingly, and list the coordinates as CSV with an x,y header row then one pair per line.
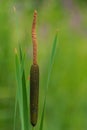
x,y
48,79
21,96
66,106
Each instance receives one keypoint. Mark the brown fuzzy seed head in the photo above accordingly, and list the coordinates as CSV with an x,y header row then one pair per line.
x,y
34,93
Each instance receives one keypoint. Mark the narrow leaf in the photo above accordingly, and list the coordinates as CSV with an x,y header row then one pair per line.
x,y
24,93
48,79
19,91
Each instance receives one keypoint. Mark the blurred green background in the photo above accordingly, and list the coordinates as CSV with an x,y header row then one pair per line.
x,y
66,107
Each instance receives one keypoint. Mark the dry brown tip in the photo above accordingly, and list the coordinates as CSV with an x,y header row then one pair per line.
x,y
35,15
15,50
35,12
14,9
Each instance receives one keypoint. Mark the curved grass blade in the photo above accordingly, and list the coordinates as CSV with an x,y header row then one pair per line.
x,y
24,92
17,77
21,96
19,92
48,79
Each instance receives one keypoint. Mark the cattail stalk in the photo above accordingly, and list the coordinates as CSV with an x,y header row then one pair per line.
x,y
34,77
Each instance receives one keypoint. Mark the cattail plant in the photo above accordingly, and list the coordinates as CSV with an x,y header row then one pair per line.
x,y
34,77
21,99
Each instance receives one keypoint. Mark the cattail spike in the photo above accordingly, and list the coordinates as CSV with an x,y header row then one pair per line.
x,y
34,38
34,77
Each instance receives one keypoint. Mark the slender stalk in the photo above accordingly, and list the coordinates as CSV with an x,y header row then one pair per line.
x,y
34,77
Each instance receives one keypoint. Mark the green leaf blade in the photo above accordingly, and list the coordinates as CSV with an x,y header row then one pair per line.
x,y
18,97
24,92
48,79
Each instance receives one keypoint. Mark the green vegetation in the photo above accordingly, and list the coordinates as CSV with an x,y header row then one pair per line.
x,y
66,105
21,96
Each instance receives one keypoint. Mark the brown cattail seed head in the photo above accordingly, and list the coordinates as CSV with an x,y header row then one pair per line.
x,y
34,93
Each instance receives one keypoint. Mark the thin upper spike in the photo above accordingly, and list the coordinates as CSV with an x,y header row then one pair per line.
x,y
34,38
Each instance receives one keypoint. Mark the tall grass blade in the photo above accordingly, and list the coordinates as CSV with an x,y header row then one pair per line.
x,y
16,98
48,79
24,94
21,95
19,92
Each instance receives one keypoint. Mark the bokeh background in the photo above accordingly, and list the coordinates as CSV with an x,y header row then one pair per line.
x,y
66,107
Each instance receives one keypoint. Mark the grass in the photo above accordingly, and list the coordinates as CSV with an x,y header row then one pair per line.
x,y
21,96
21,93
48,79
